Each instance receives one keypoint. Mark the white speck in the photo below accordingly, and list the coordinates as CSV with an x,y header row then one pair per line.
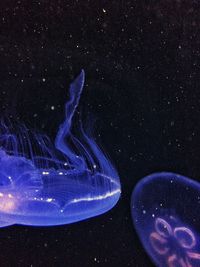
x,y
96,260
10,178
45,173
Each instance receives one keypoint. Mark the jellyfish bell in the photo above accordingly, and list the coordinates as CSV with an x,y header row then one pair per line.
x,y
165,211
44,184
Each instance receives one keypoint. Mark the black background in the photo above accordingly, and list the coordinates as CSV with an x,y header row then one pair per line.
x,y
142,63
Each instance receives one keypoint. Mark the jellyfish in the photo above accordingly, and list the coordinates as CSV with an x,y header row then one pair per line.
x,y
44,183
165,210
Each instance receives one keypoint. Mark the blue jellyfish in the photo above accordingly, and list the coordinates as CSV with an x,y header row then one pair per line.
x,y
43,184
165,210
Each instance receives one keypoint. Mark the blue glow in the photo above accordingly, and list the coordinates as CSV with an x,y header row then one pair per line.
x,y
165,210
44,184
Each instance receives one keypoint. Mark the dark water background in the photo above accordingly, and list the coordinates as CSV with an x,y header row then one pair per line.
x,y
142,63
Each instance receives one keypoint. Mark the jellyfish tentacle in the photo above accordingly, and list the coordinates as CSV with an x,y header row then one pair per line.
x,y
60,142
